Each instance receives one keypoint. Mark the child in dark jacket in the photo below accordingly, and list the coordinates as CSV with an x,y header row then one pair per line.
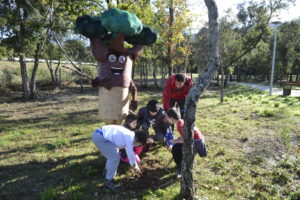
x,y
198,147
149,115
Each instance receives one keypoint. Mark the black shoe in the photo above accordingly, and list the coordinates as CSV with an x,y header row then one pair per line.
x,y
109,184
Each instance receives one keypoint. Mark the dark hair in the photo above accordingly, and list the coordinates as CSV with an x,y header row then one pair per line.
x,y
172,113
128,119
180,77
141,136
153,106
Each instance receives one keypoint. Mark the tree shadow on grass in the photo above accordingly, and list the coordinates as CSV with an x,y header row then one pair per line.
x,y
39,147
77,177
60,120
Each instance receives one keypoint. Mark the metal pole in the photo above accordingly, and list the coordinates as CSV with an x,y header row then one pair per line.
x,y
273,60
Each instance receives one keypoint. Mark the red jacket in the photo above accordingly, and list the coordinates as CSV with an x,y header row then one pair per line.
x,y
197,133
171,91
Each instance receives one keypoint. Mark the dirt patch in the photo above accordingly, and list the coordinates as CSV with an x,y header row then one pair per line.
x,y
153,176
270,148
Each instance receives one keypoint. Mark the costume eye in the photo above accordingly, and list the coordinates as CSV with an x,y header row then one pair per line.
x,y
122,59
112,58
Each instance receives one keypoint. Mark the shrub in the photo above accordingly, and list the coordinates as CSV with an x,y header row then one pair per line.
x,y
267,113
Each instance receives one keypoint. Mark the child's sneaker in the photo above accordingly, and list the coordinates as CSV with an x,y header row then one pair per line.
x,y
178,173
110,184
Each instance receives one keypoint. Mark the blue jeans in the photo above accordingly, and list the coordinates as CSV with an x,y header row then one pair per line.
x,y
109,151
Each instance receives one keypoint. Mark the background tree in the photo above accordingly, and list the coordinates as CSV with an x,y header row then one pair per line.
x,y
173,18
27,24
287,58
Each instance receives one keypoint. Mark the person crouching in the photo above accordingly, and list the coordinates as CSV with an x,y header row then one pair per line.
x,y
109,139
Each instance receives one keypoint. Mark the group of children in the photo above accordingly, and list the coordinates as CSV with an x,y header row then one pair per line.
x,y
125,142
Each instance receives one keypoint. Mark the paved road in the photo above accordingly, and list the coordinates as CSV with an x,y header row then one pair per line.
x,y
275,91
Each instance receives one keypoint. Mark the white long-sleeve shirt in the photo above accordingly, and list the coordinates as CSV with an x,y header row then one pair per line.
x,y
122,138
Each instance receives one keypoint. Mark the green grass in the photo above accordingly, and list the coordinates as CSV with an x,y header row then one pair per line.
x,y
252,140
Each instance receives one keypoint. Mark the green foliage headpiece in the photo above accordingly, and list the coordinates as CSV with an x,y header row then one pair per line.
x,y
115,21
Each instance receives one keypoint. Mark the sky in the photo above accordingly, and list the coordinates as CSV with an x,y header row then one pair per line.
x,y
197,6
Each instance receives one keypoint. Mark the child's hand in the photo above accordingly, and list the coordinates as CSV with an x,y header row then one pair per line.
x,y
149,141
174,141
169,147
136,168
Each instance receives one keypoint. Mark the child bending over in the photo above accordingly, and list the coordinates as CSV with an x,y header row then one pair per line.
x,y
198,147
131,124
109,139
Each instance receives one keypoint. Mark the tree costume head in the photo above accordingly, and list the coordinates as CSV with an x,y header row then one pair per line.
x,y
107,35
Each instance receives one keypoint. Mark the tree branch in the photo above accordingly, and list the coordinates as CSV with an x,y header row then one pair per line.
x,y
77,69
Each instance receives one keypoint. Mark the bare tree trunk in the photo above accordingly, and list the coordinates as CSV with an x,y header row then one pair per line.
x,y
154,74
226,80
163,74
186,62
57,76
141,73
146,74
21,45
187,186
25,82
170,43
34,70
49,65
222,84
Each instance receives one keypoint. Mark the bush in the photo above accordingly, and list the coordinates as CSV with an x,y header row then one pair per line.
x,y
5,79
267,113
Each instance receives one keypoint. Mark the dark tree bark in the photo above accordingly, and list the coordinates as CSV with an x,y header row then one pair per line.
x,y
222,84
187,186
25,82
170,43
54,73
146,74
22,55
154,74
226,80
39,48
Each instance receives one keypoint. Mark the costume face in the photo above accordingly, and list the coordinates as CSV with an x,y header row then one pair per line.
x,y
117,63
116,69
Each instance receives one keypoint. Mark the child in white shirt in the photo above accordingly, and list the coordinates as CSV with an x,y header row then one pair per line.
x,y
109,139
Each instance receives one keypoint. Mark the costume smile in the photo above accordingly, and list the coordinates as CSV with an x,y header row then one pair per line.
x,y
117,70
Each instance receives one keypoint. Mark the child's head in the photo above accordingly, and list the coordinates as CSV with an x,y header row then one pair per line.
x,y
172,116
179,80
153,107
141,137
130,121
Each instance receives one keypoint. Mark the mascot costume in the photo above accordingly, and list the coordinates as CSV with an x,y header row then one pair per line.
x,y
107,34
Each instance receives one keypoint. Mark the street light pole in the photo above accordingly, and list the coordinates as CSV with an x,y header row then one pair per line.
x,y
276,23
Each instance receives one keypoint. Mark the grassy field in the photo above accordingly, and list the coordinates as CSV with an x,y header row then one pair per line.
x,y
252,139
